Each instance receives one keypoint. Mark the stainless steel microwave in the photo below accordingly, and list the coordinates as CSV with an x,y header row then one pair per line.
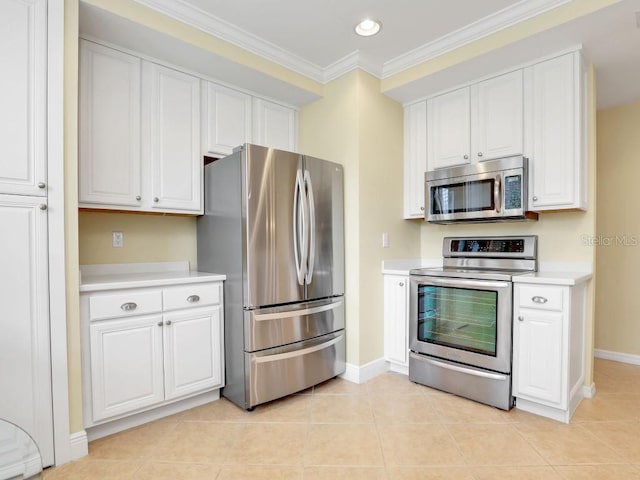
x,y
489,191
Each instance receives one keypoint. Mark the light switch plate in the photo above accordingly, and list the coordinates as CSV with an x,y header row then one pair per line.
x,y
117,239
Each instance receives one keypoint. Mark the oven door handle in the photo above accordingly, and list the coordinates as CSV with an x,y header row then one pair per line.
x,y
422,280
469,371
497,193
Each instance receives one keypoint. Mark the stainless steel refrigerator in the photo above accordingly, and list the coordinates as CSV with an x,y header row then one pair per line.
x,y
274,224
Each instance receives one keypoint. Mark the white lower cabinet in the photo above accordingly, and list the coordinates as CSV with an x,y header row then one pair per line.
x,y
548,348
396,321
147,347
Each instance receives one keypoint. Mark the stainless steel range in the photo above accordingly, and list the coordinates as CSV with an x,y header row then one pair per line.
x,y
461,317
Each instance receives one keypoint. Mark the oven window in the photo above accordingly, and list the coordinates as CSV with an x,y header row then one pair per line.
x,y
472,196
459,318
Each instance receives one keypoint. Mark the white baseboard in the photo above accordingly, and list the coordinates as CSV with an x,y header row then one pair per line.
x,y
617,356
115,426
589,391
397,368
78,445
360,374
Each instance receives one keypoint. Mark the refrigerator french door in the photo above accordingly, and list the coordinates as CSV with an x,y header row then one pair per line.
x,y
273,224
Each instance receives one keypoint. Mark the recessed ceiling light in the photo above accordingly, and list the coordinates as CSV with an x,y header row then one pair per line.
x,y
368,27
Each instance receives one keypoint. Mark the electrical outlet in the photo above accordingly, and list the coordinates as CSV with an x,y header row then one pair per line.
x,y
117,239
385,240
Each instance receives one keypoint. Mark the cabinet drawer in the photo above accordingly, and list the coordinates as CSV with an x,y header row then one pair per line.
x,y
541,298
124,304
197,295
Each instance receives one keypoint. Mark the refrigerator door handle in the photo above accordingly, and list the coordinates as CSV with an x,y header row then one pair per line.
x,y
296,313
299,223
312,227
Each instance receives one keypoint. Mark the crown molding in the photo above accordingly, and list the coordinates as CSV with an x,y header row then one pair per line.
x,y
484,27
183,12
507,17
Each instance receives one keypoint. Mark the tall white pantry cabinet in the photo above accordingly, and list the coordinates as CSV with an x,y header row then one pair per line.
x,y
25,361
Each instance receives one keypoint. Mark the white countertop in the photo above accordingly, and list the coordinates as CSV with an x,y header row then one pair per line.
x,y
140,275
549,277
402,266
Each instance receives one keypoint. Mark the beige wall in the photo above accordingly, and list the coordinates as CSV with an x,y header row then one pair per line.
x,y
147,238
355,125
618,229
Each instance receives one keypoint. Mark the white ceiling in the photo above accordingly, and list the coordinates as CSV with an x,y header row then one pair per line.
x,y
322,45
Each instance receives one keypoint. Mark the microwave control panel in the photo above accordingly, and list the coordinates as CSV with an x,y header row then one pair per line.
x,y
513,192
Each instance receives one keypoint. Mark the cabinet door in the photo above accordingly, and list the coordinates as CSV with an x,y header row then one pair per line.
x,y
497,117
274,126
171,119
126,365
25,365
192,351
396,311
415,158
537,355
23,87
558,170
448,129
226,118
109,127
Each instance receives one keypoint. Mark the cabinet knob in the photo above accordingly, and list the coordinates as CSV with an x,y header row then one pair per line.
x,y
43,206
159,324
422,209
466,157
193,298
156,199
538,299
127,307
401,284
535,199
168,322
479,154
138,197
521,318
42,185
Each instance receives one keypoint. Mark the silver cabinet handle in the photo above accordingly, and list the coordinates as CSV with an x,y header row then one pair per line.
x,y
521,318
127,307
479,154
193,298
168,322
42,185
156,199
538,299
43,206
535,199
159,324
401,284
138,197
466,157
422,209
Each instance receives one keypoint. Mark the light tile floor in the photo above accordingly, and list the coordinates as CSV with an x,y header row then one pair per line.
x,y
387,428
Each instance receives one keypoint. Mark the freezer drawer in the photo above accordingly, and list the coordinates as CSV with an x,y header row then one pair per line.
x,y
281,371
273,327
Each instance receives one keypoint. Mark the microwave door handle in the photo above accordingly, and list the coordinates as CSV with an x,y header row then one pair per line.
x,y
497,193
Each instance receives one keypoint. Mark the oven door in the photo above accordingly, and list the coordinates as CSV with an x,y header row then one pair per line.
x,y
466,321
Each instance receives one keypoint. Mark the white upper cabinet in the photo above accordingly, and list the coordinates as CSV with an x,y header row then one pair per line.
x,y
448,129
415,158
226,119
480,122
171,129
497,117
139,134
109,124
555,141
274,125
23,87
